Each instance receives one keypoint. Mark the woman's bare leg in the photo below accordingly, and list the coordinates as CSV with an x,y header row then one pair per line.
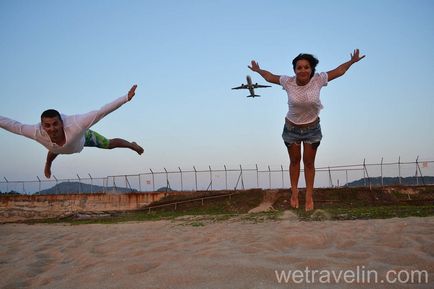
x,y
309,153
294,151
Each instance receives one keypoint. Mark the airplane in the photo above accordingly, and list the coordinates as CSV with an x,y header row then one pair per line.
x,y
250,86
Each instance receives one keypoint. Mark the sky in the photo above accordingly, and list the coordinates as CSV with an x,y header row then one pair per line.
x,y
186,55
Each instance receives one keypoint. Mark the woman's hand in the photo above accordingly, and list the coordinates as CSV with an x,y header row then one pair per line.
x,y
355,56
254,66
268,76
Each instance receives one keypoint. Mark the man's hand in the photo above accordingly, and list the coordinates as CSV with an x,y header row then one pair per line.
x,y
47,170
50,158
132,92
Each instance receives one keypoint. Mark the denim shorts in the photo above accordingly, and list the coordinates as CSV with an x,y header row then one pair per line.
x,y
293,134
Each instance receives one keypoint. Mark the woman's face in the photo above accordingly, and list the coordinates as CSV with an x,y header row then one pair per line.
x,y
302,72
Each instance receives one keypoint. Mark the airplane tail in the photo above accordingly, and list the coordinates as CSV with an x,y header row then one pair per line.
x,y
254,95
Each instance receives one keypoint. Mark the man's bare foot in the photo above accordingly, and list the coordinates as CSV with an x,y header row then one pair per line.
x,y
137,148
294,200
309,205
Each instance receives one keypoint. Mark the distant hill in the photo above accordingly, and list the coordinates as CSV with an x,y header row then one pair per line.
x,y
393,181
78,187
165,189
9,193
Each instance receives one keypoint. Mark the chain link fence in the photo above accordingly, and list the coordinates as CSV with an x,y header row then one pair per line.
x,y
418,172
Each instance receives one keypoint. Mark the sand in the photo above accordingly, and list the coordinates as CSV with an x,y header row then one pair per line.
x,y
224,254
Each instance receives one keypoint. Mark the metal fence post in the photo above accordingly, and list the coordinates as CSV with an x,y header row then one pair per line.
x,y
420,172
330,178
91,183
57,184
269,176
346,177
210,177
242,177
39,181
167,180
7,184
140,182
114,183
182,182
153,180
399,169
127,183
364,173
381,168
367,175
79,184
257,176
195,176
226,177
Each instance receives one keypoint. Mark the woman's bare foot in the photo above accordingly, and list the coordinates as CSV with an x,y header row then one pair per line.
x,y
309,204
294,199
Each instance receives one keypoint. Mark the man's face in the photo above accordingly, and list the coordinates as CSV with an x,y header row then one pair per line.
x,y
53,126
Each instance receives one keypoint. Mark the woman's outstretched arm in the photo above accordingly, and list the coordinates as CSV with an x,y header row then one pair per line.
x,y
268,76
341,69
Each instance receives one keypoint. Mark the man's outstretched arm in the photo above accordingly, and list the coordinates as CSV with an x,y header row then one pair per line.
x,y
18,128
50,158
87,120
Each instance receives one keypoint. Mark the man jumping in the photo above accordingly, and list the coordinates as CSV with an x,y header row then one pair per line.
x,y
63,134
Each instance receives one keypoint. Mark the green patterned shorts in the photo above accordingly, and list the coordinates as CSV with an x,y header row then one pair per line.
x,y
94,139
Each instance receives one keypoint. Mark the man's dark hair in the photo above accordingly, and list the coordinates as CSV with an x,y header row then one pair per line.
x,y
309,57
51,113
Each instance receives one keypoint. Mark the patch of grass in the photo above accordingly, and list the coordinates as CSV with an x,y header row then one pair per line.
x,y
215,214
201,217
336,204
197,224
261,217
382,212
363,213
219,209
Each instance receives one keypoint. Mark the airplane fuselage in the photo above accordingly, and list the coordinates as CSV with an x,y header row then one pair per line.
x,y
250,86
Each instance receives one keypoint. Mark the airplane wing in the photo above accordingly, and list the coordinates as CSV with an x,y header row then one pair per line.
x,y
260,85
243,86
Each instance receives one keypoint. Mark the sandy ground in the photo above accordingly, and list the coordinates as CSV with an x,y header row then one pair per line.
x,y
225,254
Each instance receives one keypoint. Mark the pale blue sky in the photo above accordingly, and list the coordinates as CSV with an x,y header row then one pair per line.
x,y
185,56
